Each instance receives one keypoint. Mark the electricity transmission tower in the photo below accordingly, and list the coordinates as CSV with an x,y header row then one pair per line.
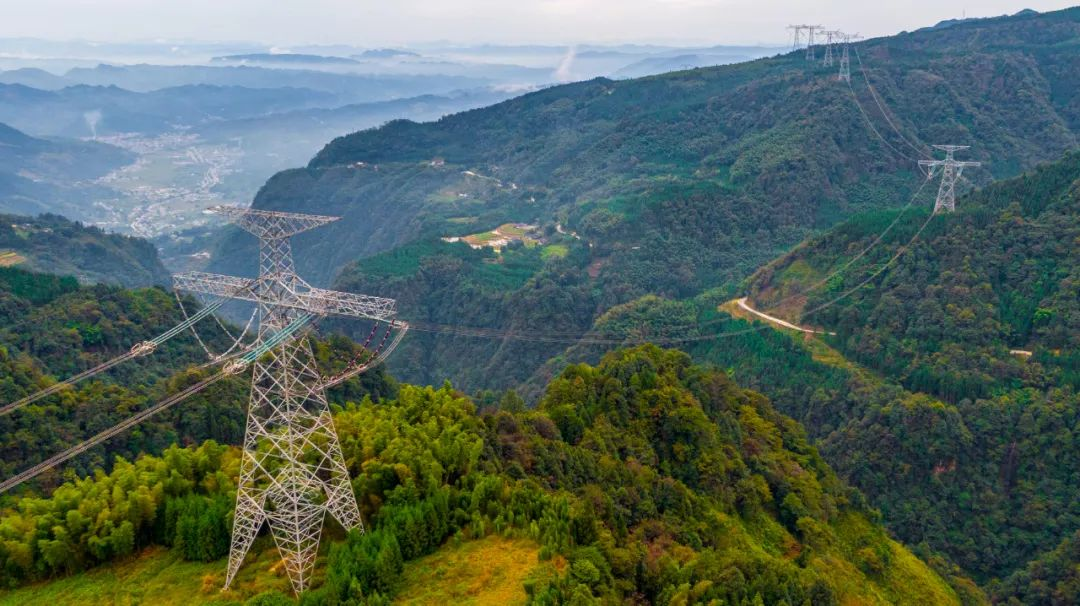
x,y
951,170
845,55
292,472
830,36
809,29
798,29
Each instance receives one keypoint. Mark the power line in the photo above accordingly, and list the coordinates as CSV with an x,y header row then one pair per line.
x,y
124,425
884,113
138,350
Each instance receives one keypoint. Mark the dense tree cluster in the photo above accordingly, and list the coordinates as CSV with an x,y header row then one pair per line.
x,y
654,480
1051,580
175,499
983,468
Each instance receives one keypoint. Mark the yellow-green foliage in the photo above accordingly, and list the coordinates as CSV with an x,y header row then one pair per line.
x,y
159,577
488,572
554,251
642,476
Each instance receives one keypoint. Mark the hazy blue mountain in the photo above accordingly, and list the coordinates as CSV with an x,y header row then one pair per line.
x,y
666,63
283,59
34,78
358,87
90,111
386,53
51,175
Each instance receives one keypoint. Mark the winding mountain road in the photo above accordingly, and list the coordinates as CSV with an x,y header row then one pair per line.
x,y
778,321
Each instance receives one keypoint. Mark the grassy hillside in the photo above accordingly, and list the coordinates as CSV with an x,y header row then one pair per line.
x,y
493,571
642,480
156,576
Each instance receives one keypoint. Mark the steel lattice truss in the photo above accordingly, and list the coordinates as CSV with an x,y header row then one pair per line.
x,y
292,472
951,170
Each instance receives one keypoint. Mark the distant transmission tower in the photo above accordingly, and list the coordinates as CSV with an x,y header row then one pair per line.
x,y
810,29
798,29
829,40
292,472
950,173
845,54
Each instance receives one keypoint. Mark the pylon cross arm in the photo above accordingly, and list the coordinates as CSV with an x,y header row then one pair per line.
x,y
216,285
332,302
315,300
269,223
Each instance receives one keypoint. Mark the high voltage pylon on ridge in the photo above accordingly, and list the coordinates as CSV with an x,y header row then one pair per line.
x,y
951,170
797,29
830,38
845,55
809,29
292,472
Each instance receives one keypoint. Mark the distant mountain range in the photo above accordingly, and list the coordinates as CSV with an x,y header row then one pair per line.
x,y
284,59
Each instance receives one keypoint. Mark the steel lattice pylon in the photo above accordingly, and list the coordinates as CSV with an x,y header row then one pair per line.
x,y
292,472
951,170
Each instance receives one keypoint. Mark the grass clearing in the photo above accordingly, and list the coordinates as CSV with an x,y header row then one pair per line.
x,y
487,572
10,258
554,251
156,576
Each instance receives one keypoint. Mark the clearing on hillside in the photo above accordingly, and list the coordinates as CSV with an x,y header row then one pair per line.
x,y
9,258
487,572
156,576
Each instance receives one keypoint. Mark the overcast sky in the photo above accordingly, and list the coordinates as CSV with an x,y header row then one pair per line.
x,y
369,23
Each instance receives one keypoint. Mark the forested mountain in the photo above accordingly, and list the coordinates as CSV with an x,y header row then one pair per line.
x,y
48,175
52,244
963,426
1001,275
667,185
645,480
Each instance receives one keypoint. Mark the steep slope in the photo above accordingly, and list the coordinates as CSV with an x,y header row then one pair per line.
x,y
644,480
981,315
999,276
671,184
39,175
52,244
